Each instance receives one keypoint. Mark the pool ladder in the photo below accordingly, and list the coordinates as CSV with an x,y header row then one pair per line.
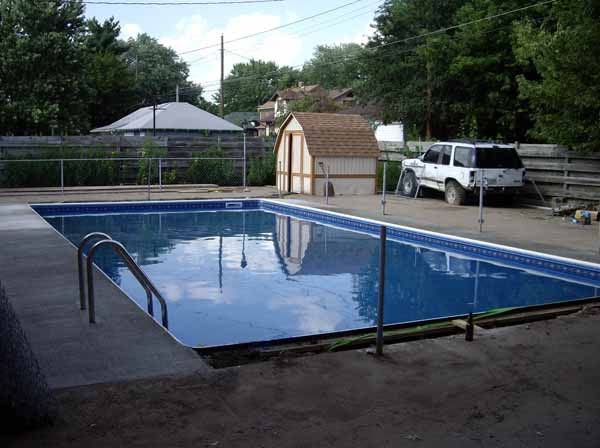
x,y
136,270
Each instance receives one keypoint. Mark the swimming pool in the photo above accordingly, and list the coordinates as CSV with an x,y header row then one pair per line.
x,y
237,272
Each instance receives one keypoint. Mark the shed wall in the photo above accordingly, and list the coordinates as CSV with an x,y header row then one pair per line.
x,y
349,175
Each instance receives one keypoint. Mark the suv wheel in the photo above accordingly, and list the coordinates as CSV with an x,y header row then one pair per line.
x,y
409,184
455,194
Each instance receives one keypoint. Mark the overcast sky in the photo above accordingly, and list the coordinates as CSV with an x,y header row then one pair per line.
x,y
185,28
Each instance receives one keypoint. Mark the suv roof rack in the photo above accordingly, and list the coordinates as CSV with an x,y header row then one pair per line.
x,y
475,142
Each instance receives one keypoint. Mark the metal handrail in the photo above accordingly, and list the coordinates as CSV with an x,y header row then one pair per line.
x,y
80,256
137,272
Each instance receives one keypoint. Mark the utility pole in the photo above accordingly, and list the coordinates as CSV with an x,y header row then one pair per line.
x,y
177,93
222,108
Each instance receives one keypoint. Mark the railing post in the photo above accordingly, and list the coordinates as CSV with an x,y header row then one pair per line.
x,y
149,170
327,185
160,173
383,189
380,301
481,220
62,176
244,179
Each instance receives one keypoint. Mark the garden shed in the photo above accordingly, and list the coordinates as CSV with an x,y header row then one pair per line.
x,y
309,144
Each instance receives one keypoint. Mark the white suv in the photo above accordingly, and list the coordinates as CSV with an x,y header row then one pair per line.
x,y
455,167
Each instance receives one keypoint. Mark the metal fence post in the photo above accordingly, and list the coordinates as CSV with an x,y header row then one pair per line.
x,y
481,220
148,175
244,179
62,176
384,188
380,302
160,173
327,185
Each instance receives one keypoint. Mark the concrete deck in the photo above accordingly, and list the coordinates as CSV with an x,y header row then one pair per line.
x,y
39,272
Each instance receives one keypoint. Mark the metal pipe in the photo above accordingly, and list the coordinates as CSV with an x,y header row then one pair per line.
x,y
62,176
149,170
244,179
380,301
160,173
80,248
327,185
481,220
384,187
135,269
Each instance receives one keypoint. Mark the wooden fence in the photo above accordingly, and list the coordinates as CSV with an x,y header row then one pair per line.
x,y
558,172
232,146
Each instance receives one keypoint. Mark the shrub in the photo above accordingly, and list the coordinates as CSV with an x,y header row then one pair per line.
x,y
219,172
391,178
169,177
261,170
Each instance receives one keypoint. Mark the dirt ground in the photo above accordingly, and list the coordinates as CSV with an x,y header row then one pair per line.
x,y
533,385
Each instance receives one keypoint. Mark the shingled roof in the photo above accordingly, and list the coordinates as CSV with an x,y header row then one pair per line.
x,y
335,134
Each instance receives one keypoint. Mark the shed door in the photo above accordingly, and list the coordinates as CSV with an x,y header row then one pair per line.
x,y
296,184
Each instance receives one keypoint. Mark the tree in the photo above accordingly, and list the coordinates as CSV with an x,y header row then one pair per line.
x,y
484,70
42,67
112,85
250,84
335,66
157,70
410,79
565,90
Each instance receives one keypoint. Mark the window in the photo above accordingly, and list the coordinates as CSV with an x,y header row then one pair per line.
x,y
446,153
464,157
433,154
498,158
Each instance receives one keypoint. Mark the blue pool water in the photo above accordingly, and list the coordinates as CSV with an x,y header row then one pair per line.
x,y
254,275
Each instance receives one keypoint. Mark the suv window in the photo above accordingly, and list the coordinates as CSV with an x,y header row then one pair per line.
x,y
498,158
464,157
446,153
433,155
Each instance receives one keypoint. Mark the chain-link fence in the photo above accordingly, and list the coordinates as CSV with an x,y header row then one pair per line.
x,y
62,173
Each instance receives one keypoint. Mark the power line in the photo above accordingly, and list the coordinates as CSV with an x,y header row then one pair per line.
x,y
157,3
285,25
400,41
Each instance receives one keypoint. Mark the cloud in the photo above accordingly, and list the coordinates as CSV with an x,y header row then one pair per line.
x,y
130,30
195,31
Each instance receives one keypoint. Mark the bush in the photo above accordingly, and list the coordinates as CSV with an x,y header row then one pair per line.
x,y
149,150
391,178
219,172
261,170
169,177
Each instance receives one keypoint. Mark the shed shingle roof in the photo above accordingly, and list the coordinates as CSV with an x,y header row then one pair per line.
x,y
336,134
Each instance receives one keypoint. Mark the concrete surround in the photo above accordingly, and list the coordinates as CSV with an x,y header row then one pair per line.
x,y
39,272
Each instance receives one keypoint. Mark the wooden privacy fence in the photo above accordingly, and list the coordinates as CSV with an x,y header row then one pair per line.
x,y
558,172
232,145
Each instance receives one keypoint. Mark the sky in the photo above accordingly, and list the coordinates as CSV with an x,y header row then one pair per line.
x,y
190,27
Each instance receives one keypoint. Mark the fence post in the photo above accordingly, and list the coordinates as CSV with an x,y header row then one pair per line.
x,y
481,220
148,175
280,185
244,179
384,187
327,185
62,176
380,301
160,173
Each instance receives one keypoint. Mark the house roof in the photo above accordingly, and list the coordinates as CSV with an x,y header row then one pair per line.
x,y
337,93
267,105
240,118
299,92
172,116
334,134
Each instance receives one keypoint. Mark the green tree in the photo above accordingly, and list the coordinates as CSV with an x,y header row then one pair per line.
x,y
250,84
42,67
564,91
334,66
407,76
112,85
157,70
484,72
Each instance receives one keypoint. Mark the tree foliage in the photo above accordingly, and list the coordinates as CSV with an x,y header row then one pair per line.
x,y
564,90
334,66
42,67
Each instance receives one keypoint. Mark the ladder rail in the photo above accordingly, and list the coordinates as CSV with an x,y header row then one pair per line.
x,y
80,258
137,272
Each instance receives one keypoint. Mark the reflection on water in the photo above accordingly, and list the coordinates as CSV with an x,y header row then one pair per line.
x,y
232,277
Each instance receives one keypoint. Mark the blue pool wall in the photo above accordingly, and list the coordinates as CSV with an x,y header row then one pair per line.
x,y
535,261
